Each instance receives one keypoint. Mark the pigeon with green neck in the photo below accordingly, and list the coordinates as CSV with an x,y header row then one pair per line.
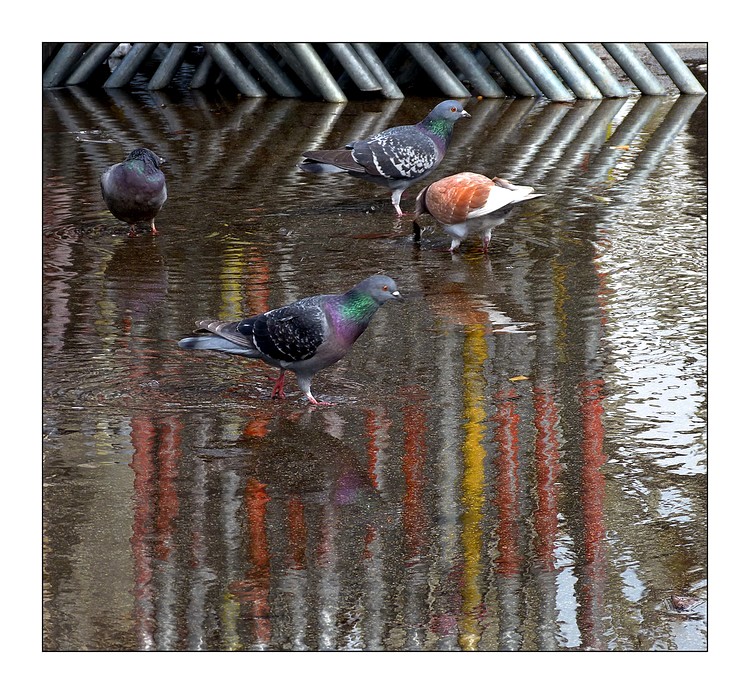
x,y
305,336
395,158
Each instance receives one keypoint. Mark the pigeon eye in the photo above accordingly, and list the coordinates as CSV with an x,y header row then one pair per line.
x,y
454,109
385,287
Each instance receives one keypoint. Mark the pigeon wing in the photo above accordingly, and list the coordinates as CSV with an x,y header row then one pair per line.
x,y
291,333
403,152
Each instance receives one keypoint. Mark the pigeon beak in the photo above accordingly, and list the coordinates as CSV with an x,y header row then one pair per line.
x,y
465,114
397,295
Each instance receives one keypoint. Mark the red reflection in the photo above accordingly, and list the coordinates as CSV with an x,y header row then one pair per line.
x,y
508,562
169,504
254,589
592,500
547,454
415,455
258,293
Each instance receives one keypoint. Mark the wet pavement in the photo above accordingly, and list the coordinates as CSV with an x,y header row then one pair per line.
x,y
517,455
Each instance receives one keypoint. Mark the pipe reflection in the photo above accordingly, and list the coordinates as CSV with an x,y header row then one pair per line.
x,y
475,355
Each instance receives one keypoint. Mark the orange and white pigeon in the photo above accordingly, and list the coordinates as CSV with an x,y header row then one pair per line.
x,y
469,202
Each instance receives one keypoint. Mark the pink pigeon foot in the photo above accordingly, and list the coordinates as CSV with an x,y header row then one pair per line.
x,y
278,387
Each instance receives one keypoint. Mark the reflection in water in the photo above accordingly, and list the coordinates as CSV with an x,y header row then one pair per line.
x,y
518,460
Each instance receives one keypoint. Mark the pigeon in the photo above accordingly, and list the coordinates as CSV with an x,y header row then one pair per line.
x,y
467,202
135,189
305,336
395,158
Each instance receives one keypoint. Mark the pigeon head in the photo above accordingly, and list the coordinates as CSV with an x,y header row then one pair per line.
x,y
146,156
380,288
450,111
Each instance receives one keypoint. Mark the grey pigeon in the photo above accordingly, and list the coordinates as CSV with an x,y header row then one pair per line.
x,y
467,202
395,158
135,190
305,336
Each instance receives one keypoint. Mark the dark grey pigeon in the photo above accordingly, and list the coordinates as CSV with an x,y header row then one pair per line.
x,y
396,158
135,189
305,336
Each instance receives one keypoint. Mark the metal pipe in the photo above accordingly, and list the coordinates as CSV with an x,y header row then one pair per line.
x,y
440,73
509,68
355,68
574,76
635,69
678,72
166,70
234,70
539,71
595,68
296,66
474,72
318,72
200,76
268,70
388,86
92,59
126,70
62,64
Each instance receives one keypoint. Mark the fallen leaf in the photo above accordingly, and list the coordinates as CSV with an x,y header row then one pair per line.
x,y
519,378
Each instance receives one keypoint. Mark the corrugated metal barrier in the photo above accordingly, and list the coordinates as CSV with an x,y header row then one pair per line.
x,y
331,71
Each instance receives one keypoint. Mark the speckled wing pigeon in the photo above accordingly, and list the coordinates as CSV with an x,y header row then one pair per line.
x,y
305,336
395,158
468,202
135,189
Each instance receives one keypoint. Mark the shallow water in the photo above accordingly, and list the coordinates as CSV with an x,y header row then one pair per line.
x,y
517,456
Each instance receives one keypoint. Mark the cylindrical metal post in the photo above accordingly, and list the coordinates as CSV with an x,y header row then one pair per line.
x,y
129,66
234,69
200,76
166,70
574,76
268,70
440,73
62,64
388,86
595,68
474,72
317,72
518,80
354,67
635,69
678,72
92,59
539,71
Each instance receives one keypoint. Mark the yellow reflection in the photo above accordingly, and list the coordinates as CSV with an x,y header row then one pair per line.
x,y
474,356
230,614
231,284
